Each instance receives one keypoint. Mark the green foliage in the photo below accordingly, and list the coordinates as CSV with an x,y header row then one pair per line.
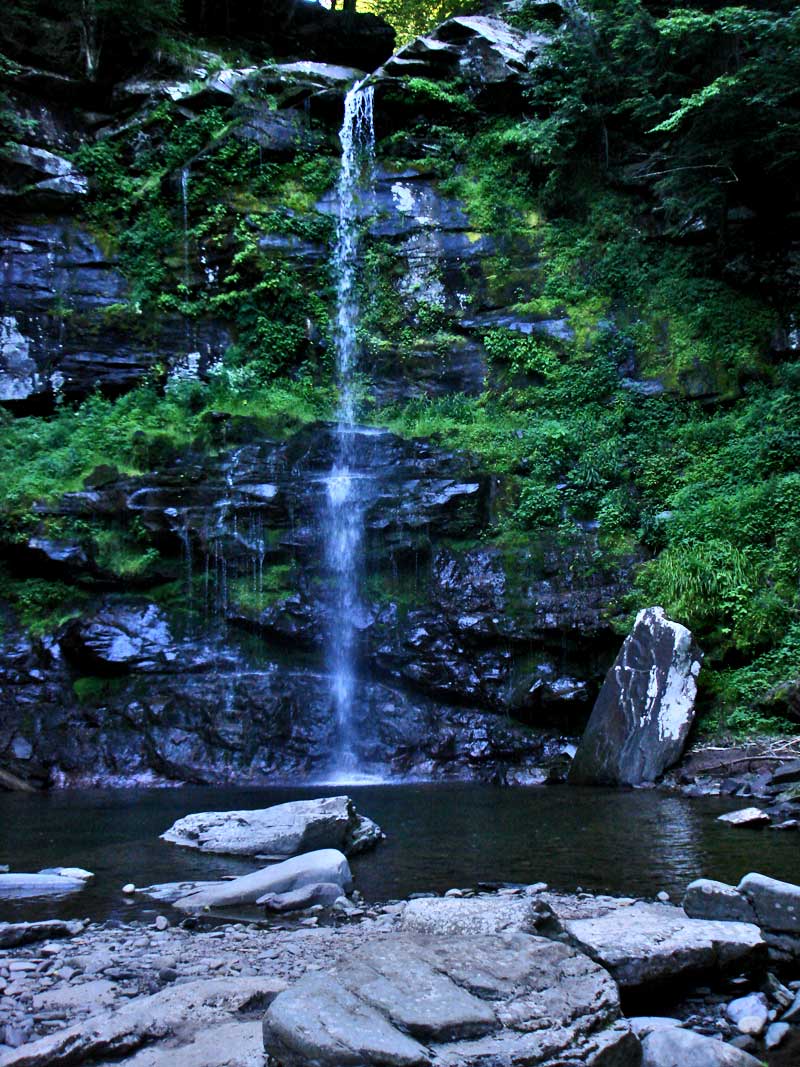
x,y
439,92
708,101
40,605
43,458
411,18
252,597
86,36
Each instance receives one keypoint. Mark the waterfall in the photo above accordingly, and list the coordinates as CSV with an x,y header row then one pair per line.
x,y
185,212
344,518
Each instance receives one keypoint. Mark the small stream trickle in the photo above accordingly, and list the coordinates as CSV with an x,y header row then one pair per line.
x,y
343,524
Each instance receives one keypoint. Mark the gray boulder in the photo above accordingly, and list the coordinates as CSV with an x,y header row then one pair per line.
x,y
279,831
324,893
708,899
326,865
777,904
411,1001
682,1048
643,944
644,712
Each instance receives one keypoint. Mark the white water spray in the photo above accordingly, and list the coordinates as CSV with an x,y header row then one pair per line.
x,y
344,520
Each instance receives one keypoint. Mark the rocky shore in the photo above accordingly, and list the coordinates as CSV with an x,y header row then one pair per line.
x,y
576,976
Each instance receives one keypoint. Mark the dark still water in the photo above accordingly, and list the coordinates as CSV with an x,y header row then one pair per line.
x,y
439,836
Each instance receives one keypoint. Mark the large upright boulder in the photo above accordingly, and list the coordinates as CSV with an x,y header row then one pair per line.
x,y
644,712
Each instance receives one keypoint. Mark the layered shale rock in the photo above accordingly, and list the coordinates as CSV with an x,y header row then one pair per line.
x,y
413,1001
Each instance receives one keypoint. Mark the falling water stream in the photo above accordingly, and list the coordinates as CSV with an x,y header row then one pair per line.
x,y
343,527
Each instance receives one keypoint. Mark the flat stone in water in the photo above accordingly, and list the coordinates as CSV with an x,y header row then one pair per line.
x,y
279,831
752,817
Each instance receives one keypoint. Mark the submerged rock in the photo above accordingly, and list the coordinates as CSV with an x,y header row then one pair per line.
x,y
412,1001
279,831
642,718
326,865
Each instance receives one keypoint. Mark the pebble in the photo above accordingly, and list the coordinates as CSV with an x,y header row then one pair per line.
x,y
129,888
775,1034
162,922
537,887
663,896
749,1014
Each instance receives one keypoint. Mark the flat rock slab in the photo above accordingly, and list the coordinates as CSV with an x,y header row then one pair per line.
x,y
280,831
326,865
642,943
230,1045
15,886
487,914
413,1000
77,996
176,1014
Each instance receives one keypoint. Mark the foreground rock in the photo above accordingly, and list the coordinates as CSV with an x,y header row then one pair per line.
x,y
411,1001
672,1047
644,712
280,831
173,1013
327,865
643,944
13,935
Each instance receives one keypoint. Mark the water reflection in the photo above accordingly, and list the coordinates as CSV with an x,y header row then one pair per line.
x,y
439,836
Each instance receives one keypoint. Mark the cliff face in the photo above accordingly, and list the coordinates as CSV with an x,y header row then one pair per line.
x,y
165,369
